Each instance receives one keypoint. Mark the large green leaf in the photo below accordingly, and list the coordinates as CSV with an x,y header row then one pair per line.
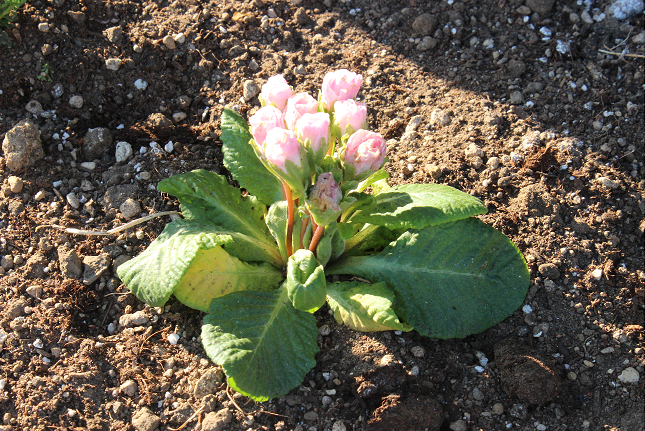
x,y
265,346
242,162
207,197
415,206
451,280
369,240
364,307
155,274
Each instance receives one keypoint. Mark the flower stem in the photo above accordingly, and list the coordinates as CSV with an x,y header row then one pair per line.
x,y
303,230
286,191
315,239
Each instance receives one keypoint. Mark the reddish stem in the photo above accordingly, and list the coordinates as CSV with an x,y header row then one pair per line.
x,y
315,239
286,191
303,229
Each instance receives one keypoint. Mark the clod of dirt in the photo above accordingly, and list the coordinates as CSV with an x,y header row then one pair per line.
x,y
159,124
145,420
208,382
417,413
94,267
217,421
69,262
525,374
534,200
22,146
35,266
540,6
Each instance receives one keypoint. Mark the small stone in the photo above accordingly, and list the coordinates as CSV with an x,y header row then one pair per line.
x,y
88,166
208,382
413,124
418,351
140,84
572,376
523,10
72,200
145,420
300,70
15,184
250,89
40,195
138,318
478,394
169,42
113,64
130,208
324,330
549,270
179,38
184,101
34,107
217,421
114,34
310,416
178,117
606,182
498,409
516,98
96,143
169,147
43,27
434,171
123,152
35,291
129,388
473,151
173,339
22,146
540,6
427,43
301,16
160,124
629,375
94,267
76,102
253,65
439,117
493,162
639,39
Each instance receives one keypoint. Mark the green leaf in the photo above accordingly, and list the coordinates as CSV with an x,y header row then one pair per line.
x,y
276,221
379,175
305,282
451,280
415,206
265,345
243,163
364,307
155,274
207,197
369,240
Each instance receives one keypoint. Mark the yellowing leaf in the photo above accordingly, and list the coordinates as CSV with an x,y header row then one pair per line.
x,y
214,273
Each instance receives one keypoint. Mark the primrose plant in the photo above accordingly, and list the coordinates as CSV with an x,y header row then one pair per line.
x,y
319,224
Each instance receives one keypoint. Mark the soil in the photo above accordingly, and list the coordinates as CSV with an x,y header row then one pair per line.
x,y
535,108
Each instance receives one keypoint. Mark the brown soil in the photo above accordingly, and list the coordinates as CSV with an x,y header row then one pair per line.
x,y
568,188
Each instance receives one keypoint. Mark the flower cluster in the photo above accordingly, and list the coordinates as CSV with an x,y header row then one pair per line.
x,y
295,135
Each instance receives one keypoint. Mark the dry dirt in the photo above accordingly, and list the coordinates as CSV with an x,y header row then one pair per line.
x,y
547,131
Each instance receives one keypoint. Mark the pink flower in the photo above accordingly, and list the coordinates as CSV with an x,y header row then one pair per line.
x,y
280,146
276,91
265,119
365,151
314,128
350,114
340,85
298,105
324,200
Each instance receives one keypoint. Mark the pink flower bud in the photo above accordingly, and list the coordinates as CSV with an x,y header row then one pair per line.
x,y
324,200
339,85
262,121
298,105
365,151
282,145
350,113
315,129
276,91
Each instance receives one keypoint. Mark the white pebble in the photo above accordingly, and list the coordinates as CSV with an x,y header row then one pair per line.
x,y
527,309
597,274
123,152
38,343
173,338
111,328
76,102
629,375
72,200
140,84
169,147
113,63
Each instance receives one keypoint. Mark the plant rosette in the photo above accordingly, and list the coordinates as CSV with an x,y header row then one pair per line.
x,y
259,263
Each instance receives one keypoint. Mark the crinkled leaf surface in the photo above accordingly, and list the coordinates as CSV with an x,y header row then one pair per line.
x,y
265,346
207,197
450,280
241,161
154,274
364,307
415,206
369,240
305,283
214,273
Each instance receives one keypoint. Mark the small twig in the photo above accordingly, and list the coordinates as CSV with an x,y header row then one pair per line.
x,y
315,239
620,54
111,231
233,401
188,420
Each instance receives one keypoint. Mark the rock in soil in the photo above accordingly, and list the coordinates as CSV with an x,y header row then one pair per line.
x,y
22,146
145,420
414,413
217,421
